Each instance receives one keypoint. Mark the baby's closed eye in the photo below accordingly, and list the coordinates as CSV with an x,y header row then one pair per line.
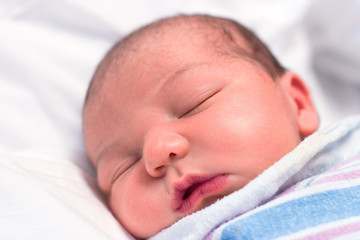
x,y
124,165
199,105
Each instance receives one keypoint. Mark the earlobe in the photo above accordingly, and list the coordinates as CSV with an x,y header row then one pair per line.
x,y
308,120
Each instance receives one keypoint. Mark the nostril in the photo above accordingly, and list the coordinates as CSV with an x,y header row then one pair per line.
x,y
172,155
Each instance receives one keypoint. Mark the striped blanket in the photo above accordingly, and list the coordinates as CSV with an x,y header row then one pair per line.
x,y
311,193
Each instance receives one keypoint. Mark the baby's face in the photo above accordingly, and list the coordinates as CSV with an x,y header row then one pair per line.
x,y
182,128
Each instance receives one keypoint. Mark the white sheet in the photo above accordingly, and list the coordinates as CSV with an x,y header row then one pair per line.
x,y
48,52
45,197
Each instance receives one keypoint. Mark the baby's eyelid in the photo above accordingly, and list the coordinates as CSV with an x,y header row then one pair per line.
x,y
193,109
125,166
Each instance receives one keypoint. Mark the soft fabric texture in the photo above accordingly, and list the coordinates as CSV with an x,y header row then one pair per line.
x,y
312,192
43,197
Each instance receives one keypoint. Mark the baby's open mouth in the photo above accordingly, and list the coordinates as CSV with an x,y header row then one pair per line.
x,y
190,193
190,190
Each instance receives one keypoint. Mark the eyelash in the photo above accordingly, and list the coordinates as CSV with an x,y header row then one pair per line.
x,y
121,170
191,111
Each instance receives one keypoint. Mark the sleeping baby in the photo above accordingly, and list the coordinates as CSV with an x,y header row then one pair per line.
x,y
185,111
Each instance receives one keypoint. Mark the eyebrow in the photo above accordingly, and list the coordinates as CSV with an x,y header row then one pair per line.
x,y
175,77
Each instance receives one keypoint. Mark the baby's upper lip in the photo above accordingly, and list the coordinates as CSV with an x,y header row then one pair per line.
x,y
184,188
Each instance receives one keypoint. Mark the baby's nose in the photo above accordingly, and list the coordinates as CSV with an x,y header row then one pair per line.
x,y
161,149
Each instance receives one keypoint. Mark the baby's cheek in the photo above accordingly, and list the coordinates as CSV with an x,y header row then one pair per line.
x,y
141,210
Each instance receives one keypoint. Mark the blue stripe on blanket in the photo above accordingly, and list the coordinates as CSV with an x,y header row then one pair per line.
x,y
296,215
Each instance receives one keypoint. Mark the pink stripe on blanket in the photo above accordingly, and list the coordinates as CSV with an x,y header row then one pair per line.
x,y
318,179
209,237
353,159
338,177
334,232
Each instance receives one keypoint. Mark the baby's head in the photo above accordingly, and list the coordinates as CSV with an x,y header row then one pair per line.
x,y
185,111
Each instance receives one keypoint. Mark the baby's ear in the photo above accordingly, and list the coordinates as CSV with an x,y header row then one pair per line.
x,y
308,120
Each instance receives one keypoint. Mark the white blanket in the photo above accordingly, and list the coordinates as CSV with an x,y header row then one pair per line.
x,y
43,197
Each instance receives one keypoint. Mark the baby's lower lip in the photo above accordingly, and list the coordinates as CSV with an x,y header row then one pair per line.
x,y
213,186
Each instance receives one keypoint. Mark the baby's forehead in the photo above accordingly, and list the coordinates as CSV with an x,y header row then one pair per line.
x,y
162,47
170,53
183,34
164,52
166,43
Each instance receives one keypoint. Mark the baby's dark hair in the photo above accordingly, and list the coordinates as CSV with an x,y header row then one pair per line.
x,y
225,36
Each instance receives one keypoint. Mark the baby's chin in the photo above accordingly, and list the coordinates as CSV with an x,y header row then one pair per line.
x,y
207,202
147,230
150,229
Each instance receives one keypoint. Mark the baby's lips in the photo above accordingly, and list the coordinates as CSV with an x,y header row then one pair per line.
x,y
189,192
